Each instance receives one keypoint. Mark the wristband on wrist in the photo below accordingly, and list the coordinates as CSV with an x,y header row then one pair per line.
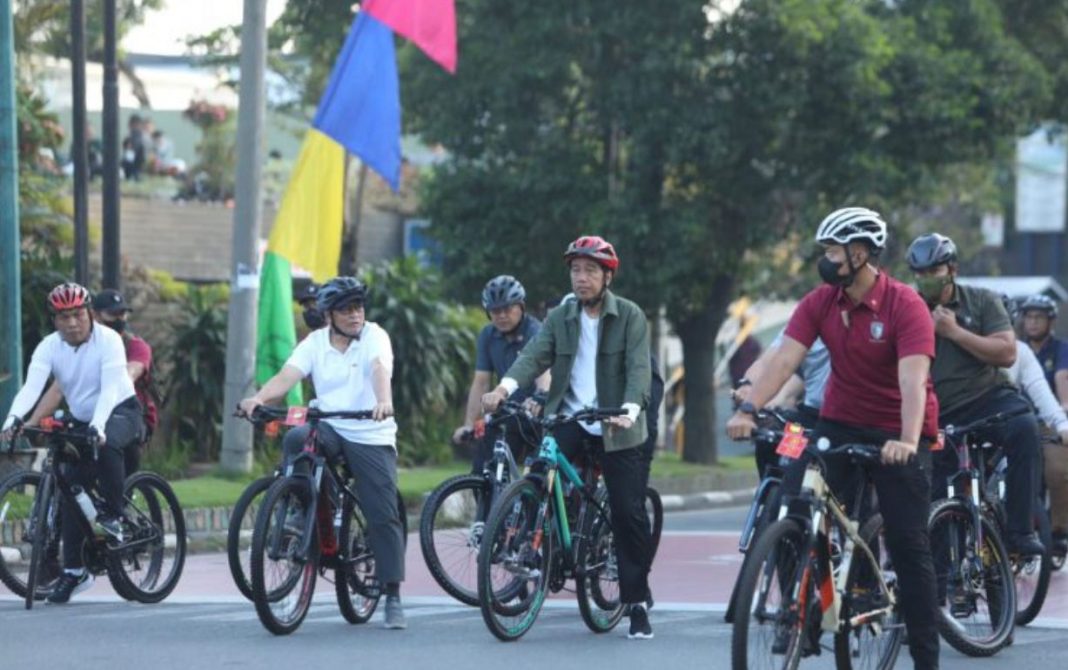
x,y
747,408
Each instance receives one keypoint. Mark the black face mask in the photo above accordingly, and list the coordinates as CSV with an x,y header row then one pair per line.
x,y
828,270
119,326
313,318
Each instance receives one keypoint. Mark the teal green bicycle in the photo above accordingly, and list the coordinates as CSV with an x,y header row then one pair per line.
x,y
529,548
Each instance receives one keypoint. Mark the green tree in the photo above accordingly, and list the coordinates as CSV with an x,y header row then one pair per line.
x,y
699,137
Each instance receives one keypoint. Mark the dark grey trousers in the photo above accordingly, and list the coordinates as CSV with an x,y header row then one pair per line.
x,y
375,468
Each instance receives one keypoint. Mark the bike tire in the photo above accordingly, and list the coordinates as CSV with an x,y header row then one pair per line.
x,y
947,519
236,558
858,582
285,494
600,605
41,502
654,507
438,531
18,489
148,566
778,555
355,585
768,507
514,528
1029,601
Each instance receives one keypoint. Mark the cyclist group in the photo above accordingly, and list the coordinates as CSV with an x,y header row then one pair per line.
x,y
881,362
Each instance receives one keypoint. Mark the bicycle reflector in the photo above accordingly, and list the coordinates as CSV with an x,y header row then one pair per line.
x,y
297,416
793,441
479,429
271,429
50,424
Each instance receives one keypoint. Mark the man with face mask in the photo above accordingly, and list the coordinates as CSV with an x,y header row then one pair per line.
x,y
881,341
310,313
1039,314
974,340
111,309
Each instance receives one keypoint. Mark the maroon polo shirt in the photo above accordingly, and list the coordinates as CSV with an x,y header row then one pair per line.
x,y
865,342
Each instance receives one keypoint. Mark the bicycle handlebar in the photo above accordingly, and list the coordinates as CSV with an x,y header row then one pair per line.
x,y
991,420
507,410
587,415
265,414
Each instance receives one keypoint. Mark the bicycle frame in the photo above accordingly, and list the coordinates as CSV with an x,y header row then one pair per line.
x,y
550,454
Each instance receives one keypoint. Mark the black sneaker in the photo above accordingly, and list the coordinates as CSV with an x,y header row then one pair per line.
x,y
68,585
1025,544
639,623
1060,544
109,525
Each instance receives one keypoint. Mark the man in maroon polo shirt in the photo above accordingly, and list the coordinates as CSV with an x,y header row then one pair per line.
x,y
881,341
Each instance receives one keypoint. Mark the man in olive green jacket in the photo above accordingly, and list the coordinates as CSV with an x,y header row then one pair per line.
x,y
597,348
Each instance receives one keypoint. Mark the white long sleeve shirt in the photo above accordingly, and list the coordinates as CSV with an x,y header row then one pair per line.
x,y
1027,374
92,376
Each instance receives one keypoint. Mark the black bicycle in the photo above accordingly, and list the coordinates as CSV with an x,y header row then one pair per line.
x,y
143,564
976,575
310,522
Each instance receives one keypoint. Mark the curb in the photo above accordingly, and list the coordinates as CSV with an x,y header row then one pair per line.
x,y
706,500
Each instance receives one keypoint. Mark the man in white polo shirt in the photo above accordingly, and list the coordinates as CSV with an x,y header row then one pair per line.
x,y
350,362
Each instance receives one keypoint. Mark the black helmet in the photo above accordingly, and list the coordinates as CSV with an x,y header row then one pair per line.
x,y
1041,303
503,291
1010,306
309,292
930,251
340,292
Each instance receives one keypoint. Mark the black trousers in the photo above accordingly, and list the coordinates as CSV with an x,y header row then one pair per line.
x,y
123,431
904,494
1018,437
625,476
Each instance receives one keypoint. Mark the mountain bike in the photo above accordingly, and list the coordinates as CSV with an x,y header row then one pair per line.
x,y
528,547
310,522
819,570
143,564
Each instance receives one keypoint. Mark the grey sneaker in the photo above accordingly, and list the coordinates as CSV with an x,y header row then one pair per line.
x,y
395,614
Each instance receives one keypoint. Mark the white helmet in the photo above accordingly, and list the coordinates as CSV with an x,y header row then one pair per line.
x,y
851,224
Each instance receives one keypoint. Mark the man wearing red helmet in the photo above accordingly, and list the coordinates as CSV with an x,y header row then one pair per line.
x,y
89,364
597,348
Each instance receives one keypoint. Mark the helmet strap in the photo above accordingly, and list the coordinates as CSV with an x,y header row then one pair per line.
x,y
334,328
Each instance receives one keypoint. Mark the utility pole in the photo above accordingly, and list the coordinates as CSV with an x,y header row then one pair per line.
x,y
79,151
244,279
10,312
110,252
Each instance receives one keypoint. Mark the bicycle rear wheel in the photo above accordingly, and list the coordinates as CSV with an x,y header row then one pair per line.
x,y
769,623
17,495
148,564
975,581
514,560
243,515
450,533
1032,573
283,580
872,644
597,574
355,584
654,508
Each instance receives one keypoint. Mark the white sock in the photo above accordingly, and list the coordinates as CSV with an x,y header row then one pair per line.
x,y
77,572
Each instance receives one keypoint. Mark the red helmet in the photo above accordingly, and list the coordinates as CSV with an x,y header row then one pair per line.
x,y
593,247
68,296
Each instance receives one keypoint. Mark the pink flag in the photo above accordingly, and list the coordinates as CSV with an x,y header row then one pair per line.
x,y
430,24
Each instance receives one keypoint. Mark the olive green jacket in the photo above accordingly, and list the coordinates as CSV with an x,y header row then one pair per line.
x,y
623,370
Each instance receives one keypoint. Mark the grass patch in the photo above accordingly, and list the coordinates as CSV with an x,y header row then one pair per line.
x,y
670,464
414,483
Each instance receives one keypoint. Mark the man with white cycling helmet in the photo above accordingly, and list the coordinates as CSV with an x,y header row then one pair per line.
x,y
881,342
1039,314
499,343
88,363
350,362
974,339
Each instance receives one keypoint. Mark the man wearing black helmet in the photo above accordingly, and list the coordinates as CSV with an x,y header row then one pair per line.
x,y
974,339
350,364
1039,313
307,298
499,344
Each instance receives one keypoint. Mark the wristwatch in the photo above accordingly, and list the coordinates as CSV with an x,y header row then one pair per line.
x,y
747,408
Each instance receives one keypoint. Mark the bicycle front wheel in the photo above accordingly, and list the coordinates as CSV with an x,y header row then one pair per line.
x,y
242,519
41,517
873,642
597,576
975,580
514,560
769,623
283,576
18,493
450,533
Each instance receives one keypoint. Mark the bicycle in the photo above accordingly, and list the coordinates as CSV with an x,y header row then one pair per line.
x,y
1032,573
143,565
243,518
454,515
310,522
819,569
519,560
971,562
